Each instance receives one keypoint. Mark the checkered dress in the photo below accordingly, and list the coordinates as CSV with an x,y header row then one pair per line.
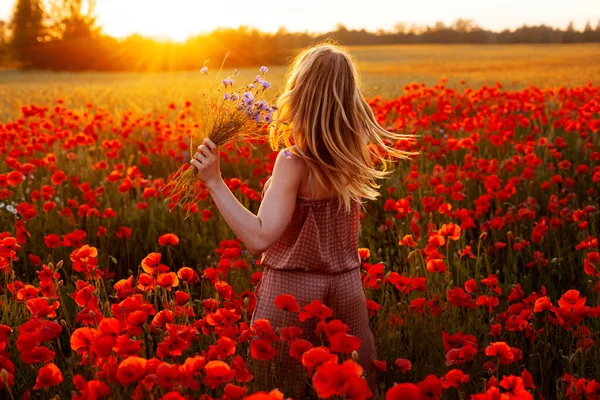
x,y
315,258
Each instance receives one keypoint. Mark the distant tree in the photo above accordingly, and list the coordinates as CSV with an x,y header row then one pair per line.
x,y
340,27
570,34
3,40
28,31
464,25
400,28
439,26
74,19
3,33
588,33
282,30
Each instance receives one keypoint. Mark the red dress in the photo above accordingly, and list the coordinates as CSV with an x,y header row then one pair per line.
x,y
316,258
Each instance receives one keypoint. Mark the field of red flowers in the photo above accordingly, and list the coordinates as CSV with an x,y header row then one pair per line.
x,y
480,261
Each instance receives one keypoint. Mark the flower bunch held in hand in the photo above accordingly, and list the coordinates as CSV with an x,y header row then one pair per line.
x,y
231,115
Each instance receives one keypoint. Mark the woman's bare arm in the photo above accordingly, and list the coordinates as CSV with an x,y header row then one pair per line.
x,y
257,232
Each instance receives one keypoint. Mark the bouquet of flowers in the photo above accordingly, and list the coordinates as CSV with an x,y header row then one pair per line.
x,y
231,115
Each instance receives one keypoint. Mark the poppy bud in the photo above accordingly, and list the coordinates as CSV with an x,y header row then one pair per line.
x,y
59,264
483,236
51,265
355,355
4,376
63,323
246,301
112,259
60,283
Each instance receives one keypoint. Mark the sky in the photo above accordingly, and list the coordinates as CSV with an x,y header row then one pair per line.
x,y
178,19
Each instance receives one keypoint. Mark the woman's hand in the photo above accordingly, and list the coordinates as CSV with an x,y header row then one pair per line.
x,y
207,162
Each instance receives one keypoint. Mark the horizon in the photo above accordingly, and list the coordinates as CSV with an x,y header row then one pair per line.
x,y
179,20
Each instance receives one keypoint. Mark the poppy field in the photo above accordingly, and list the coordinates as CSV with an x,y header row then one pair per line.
x,y
480,260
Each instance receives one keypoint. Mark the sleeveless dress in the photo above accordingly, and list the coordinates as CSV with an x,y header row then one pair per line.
x,y
317,238
316,258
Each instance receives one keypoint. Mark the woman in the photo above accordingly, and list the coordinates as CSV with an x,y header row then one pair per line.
x,y
308,224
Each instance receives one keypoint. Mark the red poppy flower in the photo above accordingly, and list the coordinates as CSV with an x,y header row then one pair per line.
x,y
151,262
217,372
431,387
287,302
454,378
403,391
49,375
206,215
52,241
332,379
403,364
90,389
168,239
167,280
262,350
39,307
342,342
224,289
502,351
436,265
82,339
188,275
131,370
123,232
37,355
315,309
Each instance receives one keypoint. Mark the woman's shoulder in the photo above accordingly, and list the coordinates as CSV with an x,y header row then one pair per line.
x,y
290,163
291,154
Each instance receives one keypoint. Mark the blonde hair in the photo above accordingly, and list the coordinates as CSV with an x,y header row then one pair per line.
x,y
332,126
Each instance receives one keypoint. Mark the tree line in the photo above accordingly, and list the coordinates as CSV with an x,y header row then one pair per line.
x,y
64,35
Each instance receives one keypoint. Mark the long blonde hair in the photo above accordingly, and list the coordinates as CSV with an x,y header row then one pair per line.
x,y
332,126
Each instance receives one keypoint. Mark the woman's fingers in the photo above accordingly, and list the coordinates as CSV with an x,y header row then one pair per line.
x,y
206,151
210,144
197,164
202,158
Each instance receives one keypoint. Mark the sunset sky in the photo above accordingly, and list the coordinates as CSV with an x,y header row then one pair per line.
x,y
178,19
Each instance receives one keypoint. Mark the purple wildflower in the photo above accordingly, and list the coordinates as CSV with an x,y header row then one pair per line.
x,y
247,98
263,69
204,70
265,84
227,96
227,81
287,153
